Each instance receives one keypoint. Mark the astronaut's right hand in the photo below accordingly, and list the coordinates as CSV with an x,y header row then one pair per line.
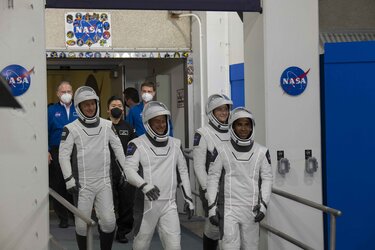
x,y
214,220
152,192
71,185
214,216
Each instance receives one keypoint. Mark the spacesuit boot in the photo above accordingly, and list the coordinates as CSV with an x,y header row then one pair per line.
x,y
81,241
209,244
106,240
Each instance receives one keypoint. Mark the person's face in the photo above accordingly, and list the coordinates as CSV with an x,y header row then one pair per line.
x,y
159,124
88,108
221,113
64,88
147,89
115,104
243,127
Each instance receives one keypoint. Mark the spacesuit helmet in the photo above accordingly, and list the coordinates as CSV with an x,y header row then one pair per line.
x,y
213,102
151,110
82,94
236,114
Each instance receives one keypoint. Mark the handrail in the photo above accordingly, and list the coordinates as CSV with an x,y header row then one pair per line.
x,y
333,214
307,202
90,223
285,236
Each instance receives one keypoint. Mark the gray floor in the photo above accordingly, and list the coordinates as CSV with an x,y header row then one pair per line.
x,y
191,232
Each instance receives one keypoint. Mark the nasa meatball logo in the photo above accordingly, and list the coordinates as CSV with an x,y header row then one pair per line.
x,y
18,78
294,80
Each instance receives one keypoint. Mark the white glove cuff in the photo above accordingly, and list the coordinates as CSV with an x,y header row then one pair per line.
x,y
212,211
263,209
70,183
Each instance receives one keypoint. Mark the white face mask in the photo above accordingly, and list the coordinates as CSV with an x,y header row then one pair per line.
x,y
66,98
147,97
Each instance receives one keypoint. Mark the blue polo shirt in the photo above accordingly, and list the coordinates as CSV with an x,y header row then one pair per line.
x,y
134,118
57,119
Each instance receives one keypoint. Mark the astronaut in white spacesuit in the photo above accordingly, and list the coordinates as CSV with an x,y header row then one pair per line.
x,y
206,140
247,184
155,165
86,142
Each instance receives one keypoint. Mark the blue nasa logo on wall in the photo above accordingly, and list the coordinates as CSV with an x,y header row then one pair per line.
x,y
18,78
88,30
294,80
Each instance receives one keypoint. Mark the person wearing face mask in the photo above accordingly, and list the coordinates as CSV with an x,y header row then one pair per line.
x,y
123,193
59,115
134,117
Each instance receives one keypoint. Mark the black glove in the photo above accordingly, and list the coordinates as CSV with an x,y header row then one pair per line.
x,y
152,192
71,185
259,214
215,220
188,210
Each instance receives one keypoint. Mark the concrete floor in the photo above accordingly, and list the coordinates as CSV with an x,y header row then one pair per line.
x,y
191,236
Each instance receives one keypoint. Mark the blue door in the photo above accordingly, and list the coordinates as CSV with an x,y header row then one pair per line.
x,y
236,72
349,125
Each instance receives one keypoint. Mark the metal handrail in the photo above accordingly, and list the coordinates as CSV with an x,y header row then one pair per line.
x,y
285,236
333,214
331,211
90,223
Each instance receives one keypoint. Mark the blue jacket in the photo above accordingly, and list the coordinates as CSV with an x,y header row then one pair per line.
x,y
134,118
57,119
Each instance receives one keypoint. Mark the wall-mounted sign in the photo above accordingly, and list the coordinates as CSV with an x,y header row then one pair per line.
x,y
18,78
88,29
294,80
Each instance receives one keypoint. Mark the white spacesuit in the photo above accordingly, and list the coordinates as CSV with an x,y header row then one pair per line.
x,y
247,187
87,139
206,140
155,165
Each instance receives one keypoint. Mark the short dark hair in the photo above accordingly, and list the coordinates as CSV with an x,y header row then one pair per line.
x,y
149,84
131,93
114,98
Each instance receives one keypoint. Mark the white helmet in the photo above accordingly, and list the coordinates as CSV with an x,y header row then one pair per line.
x,y
237,113
82,94
151,110
213,102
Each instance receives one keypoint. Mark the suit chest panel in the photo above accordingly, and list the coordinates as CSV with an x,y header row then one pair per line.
x,y
242,165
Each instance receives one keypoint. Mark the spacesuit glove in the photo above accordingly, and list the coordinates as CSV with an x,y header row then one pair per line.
x,y
259,215
214,220
189,209
71,185
152,192
214,216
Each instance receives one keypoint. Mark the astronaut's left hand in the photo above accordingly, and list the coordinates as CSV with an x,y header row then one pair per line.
x,y
189,209
259,216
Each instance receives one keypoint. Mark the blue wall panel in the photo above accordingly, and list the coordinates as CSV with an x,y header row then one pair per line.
x,y
349,124
237,81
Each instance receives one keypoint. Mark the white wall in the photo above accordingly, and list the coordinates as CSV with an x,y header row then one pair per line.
x,y
236,52
24,196
275,41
